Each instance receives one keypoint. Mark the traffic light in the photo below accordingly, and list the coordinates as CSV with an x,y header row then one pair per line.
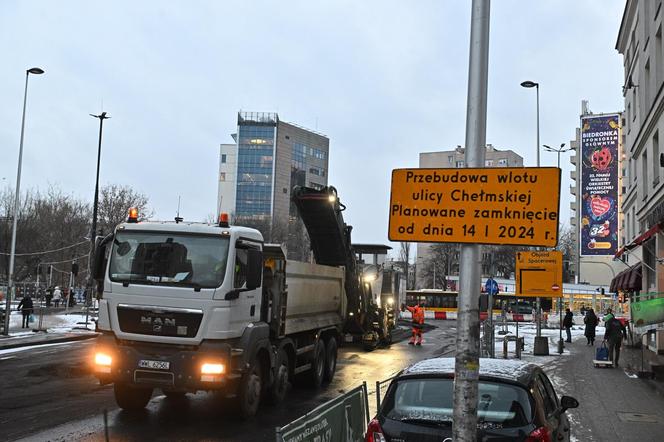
x,y
74,268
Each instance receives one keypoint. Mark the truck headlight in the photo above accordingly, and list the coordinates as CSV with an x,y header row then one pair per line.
x,y
212,371
103,362
212,368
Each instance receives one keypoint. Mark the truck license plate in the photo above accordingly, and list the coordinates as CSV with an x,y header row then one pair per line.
x,y
158,365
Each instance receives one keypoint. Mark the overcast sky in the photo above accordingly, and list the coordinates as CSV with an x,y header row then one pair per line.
x,y
384,80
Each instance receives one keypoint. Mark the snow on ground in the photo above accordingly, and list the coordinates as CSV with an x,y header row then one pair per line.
x,y
54,323
32,347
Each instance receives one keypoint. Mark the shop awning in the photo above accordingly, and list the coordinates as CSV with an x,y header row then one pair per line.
x,y
639,240
627,280
633,282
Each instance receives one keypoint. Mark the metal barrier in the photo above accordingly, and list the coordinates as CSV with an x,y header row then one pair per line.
x,y
379,389
520,344
342,419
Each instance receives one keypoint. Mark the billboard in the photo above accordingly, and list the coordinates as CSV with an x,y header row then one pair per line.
x,y
600,138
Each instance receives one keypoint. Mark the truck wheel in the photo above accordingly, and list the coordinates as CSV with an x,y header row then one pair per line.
x,y
317,371
131,398
281,378
330,359
250,390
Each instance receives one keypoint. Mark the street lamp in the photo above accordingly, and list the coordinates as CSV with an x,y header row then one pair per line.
x,y
12,253
531,84
560,150
95,205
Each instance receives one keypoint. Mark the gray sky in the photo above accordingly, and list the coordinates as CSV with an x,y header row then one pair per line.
x,y
384,80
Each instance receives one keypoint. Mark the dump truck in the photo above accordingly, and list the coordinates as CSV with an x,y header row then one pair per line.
x,y
187,307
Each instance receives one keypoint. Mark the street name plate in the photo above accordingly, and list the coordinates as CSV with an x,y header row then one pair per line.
x,y
539,273
509,206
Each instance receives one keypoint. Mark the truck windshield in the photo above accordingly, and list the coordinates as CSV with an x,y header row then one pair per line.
x,y
157,258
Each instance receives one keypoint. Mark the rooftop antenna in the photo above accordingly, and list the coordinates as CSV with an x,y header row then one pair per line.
x,y
178,219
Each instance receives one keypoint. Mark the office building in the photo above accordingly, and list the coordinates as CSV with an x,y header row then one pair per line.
x,y
258,172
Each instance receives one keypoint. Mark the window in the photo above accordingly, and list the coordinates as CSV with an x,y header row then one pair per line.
x,y
450,159
152,258
223,158
655,159
550,392
459,164
240,271
644,170
431,399
317,171
488,163
502,162
222,176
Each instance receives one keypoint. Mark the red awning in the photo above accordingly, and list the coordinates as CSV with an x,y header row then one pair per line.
x,y
639,240
633,282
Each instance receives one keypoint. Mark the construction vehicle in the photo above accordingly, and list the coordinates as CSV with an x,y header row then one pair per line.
x,y
186,307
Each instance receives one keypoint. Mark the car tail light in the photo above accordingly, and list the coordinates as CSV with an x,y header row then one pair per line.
x,y
540,434
374,432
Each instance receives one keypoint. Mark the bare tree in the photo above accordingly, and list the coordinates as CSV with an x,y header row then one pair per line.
x,y
566,245
114,203
441,262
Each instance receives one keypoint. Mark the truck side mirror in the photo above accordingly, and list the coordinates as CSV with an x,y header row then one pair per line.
x,y
100,262
254,269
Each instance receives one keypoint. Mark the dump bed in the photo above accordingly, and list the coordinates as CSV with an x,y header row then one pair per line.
x,y
315,296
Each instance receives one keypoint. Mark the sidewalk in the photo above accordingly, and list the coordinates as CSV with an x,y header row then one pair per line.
x,y
60,326
614,403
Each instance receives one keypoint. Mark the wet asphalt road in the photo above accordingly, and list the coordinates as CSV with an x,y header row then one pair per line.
x,y
48,394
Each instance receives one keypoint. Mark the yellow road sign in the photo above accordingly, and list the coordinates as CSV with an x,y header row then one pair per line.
x,y
539,274
517,206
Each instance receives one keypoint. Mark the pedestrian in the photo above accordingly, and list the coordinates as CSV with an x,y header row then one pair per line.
x,y
417,312
583,310
615,332
26,308
608,316
57,296
49,296
568,322
591,322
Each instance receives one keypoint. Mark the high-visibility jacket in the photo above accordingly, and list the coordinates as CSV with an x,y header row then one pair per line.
x,y
418,314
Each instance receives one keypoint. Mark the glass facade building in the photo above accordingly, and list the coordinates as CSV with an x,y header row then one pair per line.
x,y
255,169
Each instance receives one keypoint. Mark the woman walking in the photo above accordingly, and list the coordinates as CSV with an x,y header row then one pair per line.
x,y
591,322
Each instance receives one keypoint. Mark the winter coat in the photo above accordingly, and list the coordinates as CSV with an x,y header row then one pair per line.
x,y
57,294
568,320
591,322
25,305
615,331
418,314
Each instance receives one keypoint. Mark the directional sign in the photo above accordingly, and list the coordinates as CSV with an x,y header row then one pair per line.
x,y
539,274
517,206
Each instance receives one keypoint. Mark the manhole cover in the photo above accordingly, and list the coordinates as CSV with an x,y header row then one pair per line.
x,y
639,417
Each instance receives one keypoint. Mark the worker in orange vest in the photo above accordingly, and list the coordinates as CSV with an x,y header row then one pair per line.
x,y
417,312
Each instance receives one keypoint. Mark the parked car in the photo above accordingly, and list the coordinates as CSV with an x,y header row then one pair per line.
x,y
516,402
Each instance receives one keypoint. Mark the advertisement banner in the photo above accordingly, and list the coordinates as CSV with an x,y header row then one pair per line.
x,y
600,138
342,419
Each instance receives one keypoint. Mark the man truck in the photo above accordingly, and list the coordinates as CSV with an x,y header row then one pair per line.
x,y
185,307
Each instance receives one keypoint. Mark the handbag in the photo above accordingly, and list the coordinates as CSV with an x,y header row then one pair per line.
x,y
602,352
31,318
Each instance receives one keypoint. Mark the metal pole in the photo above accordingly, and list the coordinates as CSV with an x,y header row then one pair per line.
x,y
464,428
93,233
12,253
539,304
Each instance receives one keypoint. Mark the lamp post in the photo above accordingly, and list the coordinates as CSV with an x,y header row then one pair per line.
x,y
12,253
541,346
560,150
95,205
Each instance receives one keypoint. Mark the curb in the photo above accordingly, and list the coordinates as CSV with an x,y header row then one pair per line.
x,y
81,337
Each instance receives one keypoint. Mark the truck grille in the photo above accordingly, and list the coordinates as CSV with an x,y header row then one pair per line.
x,y
156,321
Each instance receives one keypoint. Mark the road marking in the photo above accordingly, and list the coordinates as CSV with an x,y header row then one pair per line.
x,y
7,357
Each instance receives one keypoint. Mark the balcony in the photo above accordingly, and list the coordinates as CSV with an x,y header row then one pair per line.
x,y
572,205
572,174
572,159
572,190
572,221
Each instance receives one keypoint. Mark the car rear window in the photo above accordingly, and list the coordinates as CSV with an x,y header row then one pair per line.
x,y
430,399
